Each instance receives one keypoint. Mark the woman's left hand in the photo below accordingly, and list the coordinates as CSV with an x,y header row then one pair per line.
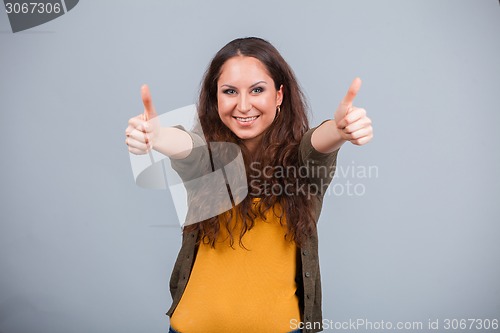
x,y
352,123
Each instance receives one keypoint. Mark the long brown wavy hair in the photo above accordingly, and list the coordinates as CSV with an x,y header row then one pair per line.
x,y
279,147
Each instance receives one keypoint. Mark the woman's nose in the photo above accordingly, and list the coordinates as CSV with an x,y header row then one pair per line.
x,y
244,104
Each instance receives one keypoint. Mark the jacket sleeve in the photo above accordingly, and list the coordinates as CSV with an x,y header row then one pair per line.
x,y
197,163
320,166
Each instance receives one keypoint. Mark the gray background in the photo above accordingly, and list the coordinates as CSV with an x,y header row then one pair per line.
x,y
83,249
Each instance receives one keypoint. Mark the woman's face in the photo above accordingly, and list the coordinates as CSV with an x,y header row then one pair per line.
x,y
247,99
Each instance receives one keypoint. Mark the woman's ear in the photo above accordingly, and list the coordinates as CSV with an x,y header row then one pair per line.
x,y
279,96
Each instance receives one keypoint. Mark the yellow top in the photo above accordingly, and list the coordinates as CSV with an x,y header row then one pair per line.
x,y
241,290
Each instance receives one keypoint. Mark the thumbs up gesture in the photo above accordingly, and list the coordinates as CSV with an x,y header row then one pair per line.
x,y
143,130
351,122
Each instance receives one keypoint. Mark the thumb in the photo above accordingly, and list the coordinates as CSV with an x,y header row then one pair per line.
x,y
352,92
346,102
149,109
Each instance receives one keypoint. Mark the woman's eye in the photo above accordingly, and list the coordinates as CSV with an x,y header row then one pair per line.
x,y
257,90
230,91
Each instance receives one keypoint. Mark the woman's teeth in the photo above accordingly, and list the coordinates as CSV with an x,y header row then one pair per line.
x,y
246,119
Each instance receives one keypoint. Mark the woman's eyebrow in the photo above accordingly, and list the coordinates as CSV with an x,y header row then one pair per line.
x,y
233,87
257,83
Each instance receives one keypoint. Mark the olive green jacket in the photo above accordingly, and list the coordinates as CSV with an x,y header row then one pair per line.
x,y
308,272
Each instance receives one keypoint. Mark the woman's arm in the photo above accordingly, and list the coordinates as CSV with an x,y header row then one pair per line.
x,y
145,133
349,124
326,137
173,142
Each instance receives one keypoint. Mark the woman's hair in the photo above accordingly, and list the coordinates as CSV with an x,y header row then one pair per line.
x,y
279,147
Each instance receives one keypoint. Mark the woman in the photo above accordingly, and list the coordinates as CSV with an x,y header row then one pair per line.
x,y
270,280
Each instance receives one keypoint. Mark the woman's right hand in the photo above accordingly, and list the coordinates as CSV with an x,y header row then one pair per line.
x,y
143,130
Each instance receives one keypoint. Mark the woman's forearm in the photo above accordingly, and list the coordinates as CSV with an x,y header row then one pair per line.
x,y
326,138
173,142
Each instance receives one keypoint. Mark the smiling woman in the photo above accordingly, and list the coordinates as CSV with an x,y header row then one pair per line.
x,y
248,101
250,97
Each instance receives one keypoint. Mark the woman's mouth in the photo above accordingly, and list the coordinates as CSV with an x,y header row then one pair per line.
x,y
246,121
